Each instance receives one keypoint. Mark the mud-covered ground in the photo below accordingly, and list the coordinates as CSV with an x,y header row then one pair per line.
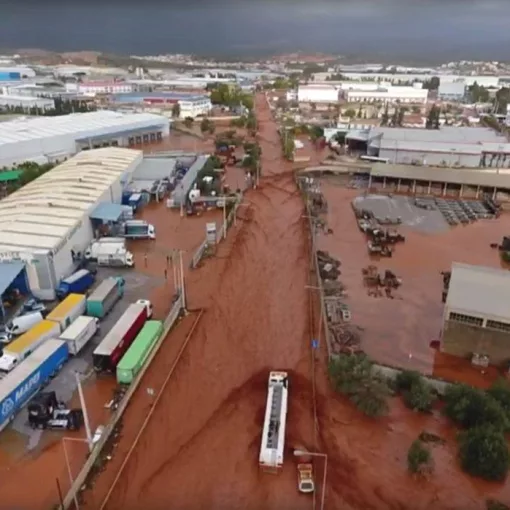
x,y
200,447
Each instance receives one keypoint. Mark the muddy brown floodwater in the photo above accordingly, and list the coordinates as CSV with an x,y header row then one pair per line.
x,y
200,447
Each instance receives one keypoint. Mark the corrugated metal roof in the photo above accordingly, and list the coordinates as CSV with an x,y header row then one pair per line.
x,y
418,146
76,125
480,291
180,192
40,214
490,179
10,175
8,273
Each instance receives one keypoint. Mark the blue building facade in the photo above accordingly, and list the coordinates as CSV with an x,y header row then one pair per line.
x,y
9,76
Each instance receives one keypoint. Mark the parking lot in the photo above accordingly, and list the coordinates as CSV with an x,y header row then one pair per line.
x,y
138,285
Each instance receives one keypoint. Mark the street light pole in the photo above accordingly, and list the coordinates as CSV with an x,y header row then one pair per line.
x,y
183,293
224,218
84,409
302,453
71,480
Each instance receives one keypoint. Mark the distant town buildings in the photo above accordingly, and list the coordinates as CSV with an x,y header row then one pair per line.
x,y
452,91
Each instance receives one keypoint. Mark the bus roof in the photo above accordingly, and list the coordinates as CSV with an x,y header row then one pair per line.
x,y
139,346
13,379
31,336
62,309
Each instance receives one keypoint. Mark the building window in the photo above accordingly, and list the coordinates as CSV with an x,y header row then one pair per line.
x,y
499,326
465,319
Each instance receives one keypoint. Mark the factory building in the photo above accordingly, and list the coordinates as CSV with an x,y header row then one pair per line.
x,y
91,88
191,105
452,91
317,93
388,94
476,314
46,224
460,147
16,73
26,102
54,139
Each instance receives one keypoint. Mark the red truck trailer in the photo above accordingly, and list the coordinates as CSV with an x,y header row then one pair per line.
x,y
114,345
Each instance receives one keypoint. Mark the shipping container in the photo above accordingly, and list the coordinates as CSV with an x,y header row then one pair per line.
x,y
113,346
104,297
136,356
19,349
79,333
18,387
66,312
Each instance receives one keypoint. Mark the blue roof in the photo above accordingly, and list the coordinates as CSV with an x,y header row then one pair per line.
x,y
132,97
106,211
8,273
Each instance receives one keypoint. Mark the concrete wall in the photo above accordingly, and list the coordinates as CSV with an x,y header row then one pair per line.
x,y
463,340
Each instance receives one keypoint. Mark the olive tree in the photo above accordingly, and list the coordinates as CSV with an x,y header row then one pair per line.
x,y
419,458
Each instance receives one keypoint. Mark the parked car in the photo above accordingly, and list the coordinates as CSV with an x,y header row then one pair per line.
x,y
33,305
306,484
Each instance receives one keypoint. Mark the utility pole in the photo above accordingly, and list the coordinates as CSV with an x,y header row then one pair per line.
x,y
183,293
84,409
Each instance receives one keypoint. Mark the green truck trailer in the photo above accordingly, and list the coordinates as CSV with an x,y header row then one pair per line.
x,y
136,356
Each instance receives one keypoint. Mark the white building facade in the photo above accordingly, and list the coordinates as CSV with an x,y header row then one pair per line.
x,y
26,102
91,88
54,139
410,95
318,93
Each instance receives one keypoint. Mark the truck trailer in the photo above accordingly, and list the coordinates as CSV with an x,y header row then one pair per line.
x,y
105,246
138,229
17,351
118,259
115,344
18,387
104,297
68,310
136,356
79,333
78,282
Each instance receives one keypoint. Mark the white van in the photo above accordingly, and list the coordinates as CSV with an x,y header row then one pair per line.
x,y
23,323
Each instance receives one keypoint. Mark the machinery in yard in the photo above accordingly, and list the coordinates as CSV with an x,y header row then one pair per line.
x,y
46,412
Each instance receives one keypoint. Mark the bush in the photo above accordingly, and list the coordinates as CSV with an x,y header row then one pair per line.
x,y
419,458
406,379
500,392
470,407
419,397
352,376
484,452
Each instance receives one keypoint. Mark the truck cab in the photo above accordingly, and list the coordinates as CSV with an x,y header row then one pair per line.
x,y
148,306
7,363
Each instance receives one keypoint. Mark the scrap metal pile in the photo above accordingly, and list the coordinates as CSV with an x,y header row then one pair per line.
x,y
380,284
380,241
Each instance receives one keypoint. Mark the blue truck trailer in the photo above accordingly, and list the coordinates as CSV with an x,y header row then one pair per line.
x,y
77,283
20,385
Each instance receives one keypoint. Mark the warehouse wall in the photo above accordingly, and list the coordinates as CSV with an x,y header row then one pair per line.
x,y
463,340
431,158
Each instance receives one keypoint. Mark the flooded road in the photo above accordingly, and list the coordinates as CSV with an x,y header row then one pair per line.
x,y
201,445
200,448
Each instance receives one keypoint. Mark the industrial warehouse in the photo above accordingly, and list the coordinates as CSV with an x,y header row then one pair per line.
x,y
476,321
49,223
54,139
459,147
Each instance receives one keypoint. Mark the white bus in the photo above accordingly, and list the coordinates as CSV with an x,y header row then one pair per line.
x,y
273,433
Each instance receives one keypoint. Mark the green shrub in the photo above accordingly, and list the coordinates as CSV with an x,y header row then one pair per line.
x,y
406,379
419,458
419,397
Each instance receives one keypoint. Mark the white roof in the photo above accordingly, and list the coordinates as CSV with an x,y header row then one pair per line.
x,y
479,291
77,125
40,214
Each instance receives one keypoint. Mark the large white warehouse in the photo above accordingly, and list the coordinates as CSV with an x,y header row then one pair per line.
x,y
318,93
54,139
47,221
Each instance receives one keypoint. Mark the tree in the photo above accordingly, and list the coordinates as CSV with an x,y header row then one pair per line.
x,y
360,112
251,121
315,132
205,125
176,110
432,84
416,109
433,118
478,93
350,113
288,144
484,452
502,100
419,458
352,375
406,379
281,103
419,397
188,122
470,408
500,392
385,116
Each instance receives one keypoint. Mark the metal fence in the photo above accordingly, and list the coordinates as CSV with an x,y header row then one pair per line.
x,y
80,480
